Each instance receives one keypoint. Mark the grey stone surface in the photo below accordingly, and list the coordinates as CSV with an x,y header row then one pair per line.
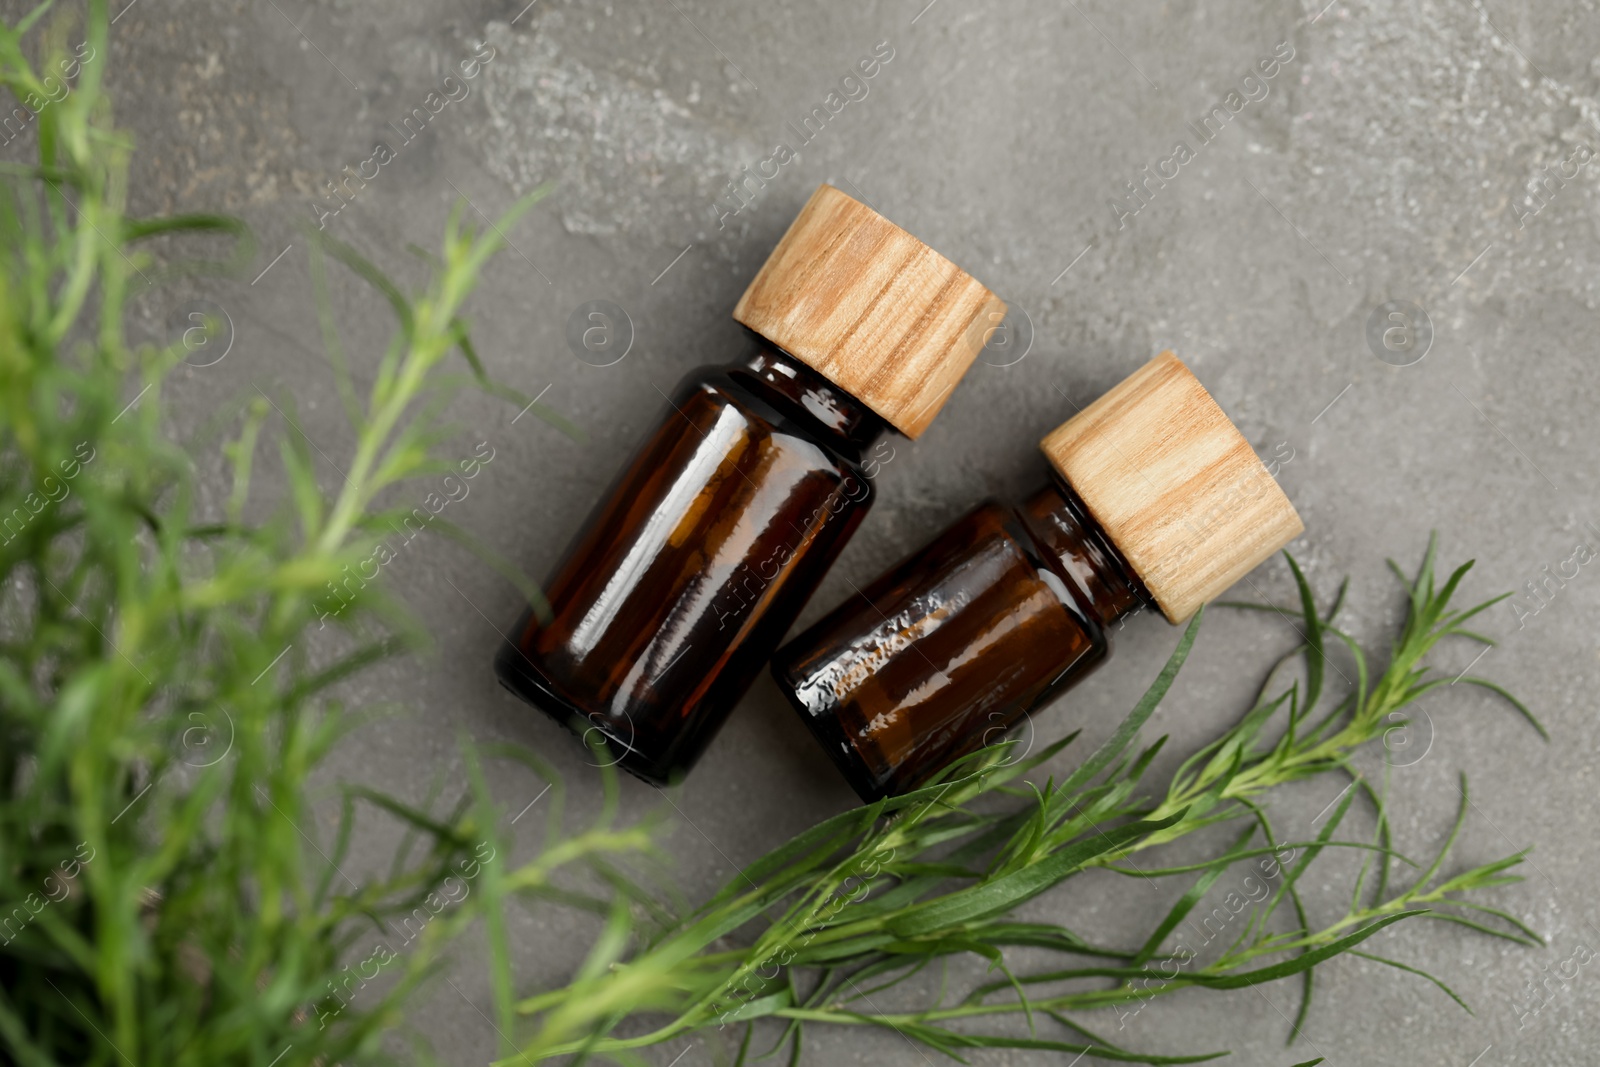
x,y
1391,159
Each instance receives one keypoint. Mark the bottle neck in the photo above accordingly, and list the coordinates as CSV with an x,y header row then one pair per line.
x,y
1081,553
805,394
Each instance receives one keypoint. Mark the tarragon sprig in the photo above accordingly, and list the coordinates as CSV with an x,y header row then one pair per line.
x,y
867,900
168,691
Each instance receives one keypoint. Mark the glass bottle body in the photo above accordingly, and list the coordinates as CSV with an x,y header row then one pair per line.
x,y
696,561
954,646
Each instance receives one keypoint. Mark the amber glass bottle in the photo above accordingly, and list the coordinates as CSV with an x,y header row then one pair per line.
x,y
948,650
701,554
1155,499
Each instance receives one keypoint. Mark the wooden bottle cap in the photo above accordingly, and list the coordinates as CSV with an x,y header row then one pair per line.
x,y
1174,484
874,310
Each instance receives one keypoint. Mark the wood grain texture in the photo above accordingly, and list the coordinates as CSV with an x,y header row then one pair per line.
x,y
1174,483
879,313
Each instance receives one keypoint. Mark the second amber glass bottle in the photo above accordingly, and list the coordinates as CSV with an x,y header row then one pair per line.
x,y
699,557
1155,498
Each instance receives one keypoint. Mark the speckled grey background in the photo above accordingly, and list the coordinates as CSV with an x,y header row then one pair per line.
x,y
1391,159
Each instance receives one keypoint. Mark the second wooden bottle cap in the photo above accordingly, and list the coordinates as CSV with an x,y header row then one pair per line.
x,y
874,310
1174,484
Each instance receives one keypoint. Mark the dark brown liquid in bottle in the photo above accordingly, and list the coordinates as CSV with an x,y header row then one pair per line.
x,y
947,651
696,562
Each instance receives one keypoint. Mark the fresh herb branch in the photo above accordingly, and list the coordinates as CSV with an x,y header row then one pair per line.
x,y
870,898
167,687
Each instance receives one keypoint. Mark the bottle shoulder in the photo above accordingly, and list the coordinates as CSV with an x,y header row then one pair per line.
x,y
780,415
1069,545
